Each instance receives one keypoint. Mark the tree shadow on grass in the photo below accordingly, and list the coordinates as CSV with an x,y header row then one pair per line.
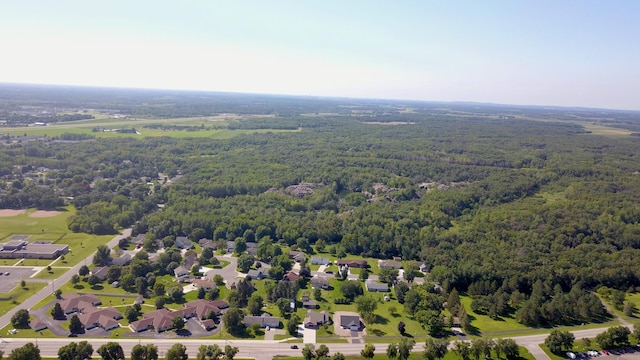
x,y
97,287
381,320
378,332
78,286
472,329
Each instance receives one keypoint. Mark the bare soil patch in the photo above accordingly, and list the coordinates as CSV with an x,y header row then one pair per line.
x,y
10,212
44,213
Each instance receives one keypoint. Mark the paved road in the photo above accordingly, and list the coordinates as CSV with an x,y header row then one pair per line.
x,y
258,349
56,284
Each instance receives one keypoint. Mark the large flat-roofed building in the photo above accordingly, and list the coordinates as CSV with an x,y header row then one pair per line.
x,y
19,249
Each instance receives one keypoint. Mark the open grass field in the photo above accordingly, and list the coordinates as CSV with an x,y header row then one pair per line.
x,y
605,130
54,229
12,299
86,127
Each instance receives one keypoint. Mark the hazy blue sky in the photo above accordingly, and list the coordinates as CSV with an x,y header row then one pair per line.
x,y
574,53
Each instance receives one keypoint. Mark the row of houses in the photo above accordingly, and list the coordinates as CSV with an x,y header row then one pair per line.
x,y
162,320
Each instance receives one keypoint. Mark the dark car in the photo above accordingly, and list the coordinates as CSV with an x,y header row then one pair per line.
x,y
294,346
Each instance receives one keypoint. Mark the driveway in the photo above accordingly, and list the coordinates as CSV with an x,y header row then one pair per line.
x,y
308,335
43,312
271,334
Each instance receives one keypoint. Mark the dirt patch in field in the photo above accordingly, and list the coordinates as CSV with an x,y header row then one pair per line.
x,y
10,212
44,213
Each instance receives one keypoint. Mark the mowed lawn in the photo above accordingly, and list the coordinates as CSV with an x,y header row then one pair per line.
x,y
487,325
54,229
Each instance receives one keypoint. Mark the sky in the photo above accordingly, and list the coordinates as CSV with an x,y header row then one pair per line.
x,y
526,52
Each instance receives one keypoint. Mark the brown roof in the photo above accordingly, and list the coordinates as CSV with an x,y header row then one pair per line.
x,y
100,316
202,307
74,302
291,276
204,283
38,324
208,324
353,263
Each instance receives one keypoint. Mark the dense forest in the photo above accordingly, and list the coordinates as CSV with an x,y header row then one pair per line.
x,y
517,206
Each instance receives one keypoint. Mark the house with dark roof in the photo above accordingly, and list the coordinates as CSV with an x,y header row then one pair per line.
x,y
389,264
374,286
320,282
309,304
208,324
290,276
207,243
316,319
350,322
353,263
316,260
138,239
252,248
297,256
231,246
182,242
181,274
258,274
190,259
264,320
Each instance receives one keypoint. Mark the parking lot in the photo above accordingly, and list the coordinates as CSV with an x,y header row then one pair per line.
x,y
16,274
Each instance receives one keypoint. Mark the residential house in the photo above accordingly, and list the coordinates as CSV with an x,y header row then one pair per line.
x,y
204,283
160,320
190,259
320,282
231,246
353,263
316,319
252,248
182,274
138,239
422,267
389,264
102,318
207,243
316,260
290,276
182,242
100,272
201,308
264,320
375,286
220,304
297,256
258,274
38,324
309,304
77,303
121,260
208,324
350,322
